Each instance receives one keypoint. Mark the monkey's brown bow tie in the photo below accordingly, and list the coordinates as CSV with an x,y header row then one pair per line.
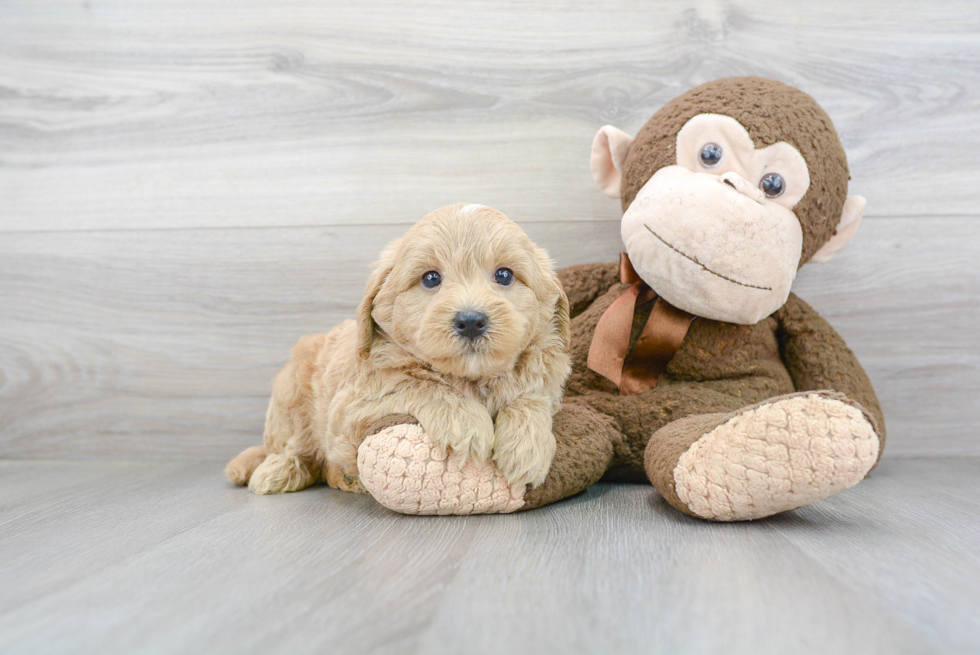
x,y
610,356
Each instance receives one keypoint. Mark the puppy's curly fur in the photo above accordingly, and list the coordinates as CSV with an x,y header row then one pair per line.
x,y
487,397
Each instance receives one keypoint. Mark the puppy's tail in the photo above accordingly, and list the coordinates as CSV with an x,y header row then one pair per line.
x,y
240,469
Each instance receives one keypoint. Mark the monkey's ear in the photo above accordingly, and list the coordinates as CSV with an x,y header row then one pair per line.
x,y
609,150
850,218
365,321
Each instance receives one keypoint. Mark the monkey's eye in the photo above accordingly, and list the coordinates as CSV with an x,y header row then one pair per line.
x,y
504,277
773,185
431,279
710,155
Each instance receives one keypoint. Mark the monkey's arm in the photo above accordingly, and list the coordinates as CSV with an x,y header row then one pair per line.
x,y
818,358
583,283
450,419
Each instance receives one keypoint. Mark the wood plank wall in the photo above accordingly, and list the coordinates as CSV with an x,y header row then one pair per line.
x,y
186,187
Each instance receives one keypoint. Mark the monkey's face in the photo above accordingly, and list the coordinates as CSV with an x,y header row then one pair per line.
x,y
715,225
715,233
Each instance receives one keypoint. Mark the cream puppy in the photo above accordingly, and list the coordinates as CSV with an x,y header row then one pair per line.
x,y
464,326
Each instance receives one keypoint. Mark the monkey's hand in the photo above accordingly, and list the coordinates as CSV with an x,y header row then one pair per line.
x,y
524,445
404,471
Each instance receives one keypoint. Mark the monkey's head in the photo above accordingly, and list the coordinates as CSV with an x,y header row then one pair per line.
x,y
727,191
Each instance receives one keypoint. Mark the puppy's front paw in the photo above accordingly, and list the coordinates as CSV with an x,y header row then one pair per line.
x,y
525,458
524,442
466,428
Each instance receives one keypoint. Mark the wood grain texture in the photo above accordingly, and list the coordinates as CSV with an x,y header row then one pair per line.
x,y
168,114
164,343
171,559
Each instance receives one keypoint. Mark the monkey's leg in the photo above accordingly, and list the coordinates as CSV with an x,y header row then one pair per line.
x,y
767,458
404,471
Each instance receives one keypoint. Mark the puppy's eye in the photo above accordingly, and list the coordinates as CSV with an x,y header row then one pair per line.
x,y
773,185
710,155
504,277
431,279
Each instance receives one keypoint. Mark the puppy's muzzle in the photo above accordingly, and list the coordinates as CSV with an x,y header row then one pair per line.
x,y
470,324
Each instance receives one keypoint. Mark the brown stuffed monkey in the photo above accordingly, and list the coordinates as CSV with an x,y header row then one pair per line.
x,y
694,366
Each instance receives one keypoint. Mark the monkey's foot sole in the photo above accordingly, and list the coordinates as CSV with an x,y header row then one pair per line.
x,y
406,473
775,457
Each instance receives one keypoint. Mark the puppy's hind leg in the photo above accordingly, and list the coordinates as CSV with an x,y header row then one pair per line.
x,y
289,449
240,469
282,473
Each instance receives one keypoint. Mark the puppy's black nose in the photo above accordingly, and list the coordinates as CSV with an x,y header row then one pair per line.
x,y
470,324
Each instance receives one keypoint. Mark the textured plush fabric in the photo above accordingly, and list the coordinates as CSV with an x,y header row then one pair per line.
x,y
818,358
585,449
721,370
585,282
772,112
666,447
720,367
405,472
776,456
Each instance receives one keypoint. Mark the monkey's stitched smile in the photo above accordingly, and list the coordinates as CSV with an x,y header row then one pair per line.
x,y
688,257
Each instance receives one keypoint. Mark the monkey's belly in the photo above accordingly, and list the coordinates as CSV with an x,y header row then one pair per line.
x,y
721,353
720,367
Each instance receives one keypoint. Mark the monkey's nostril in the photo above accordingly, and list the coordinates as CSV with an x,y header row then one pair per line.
x,y
730,183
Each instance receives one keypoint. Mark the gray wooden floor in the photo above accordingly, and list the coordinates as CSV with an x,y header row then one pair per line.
x,y
123,557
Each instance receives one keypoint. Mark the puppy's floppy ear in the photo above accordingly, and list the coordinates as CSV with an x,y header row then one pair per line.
x,y
365,322
550,284
562,320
